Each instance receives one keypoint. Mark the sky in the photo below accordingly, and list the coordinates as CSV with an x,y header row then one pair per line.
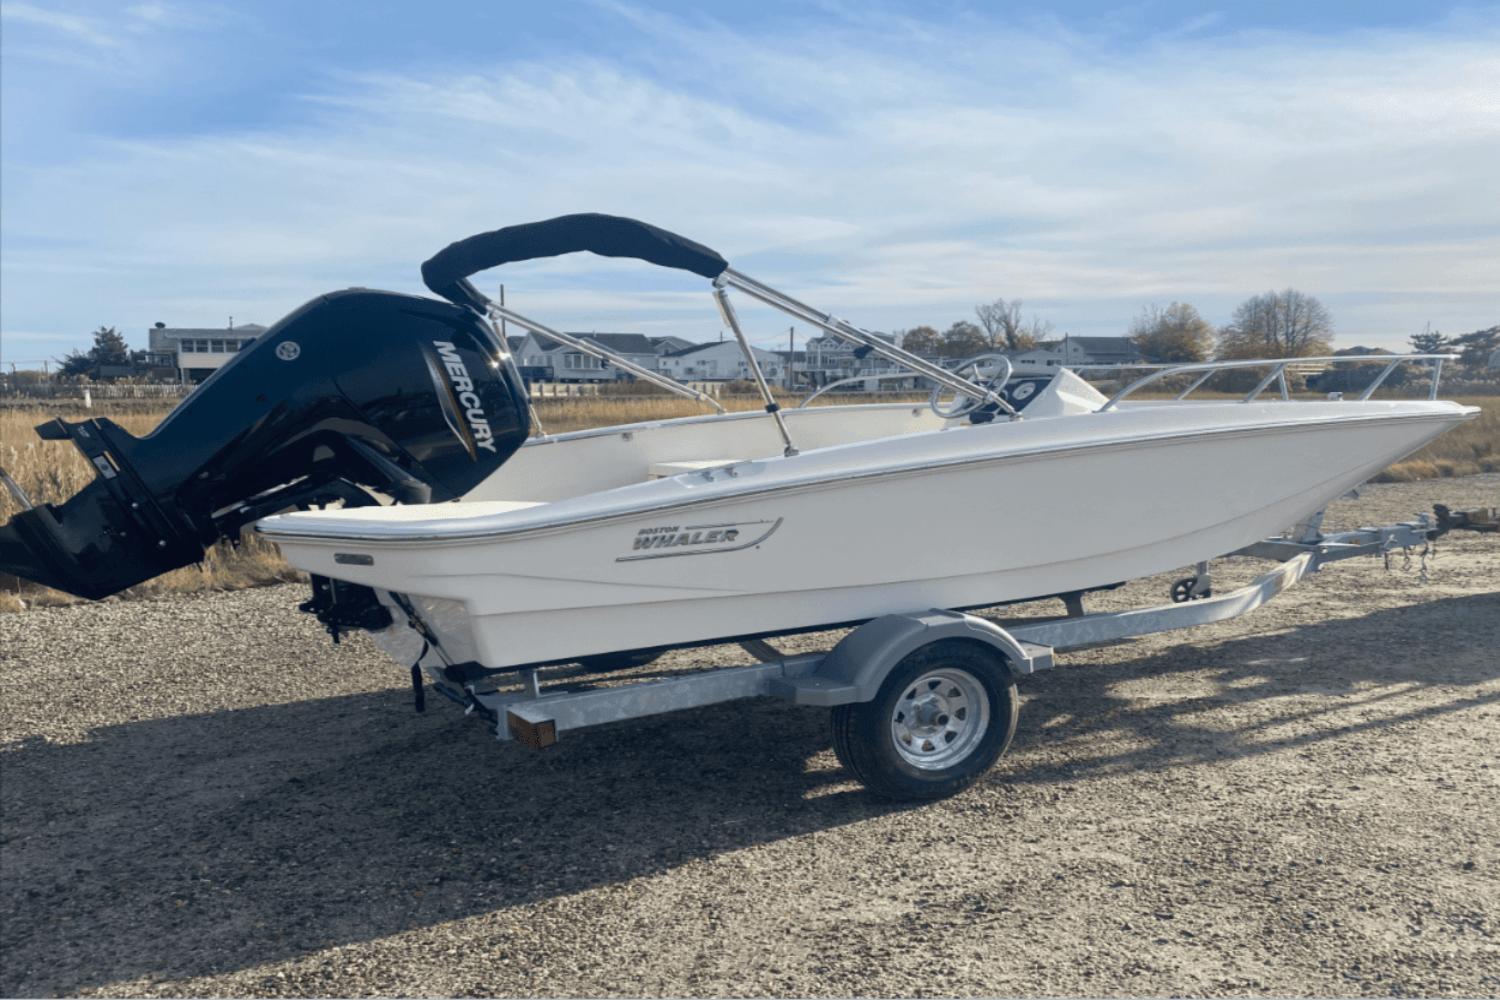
x,y
894,164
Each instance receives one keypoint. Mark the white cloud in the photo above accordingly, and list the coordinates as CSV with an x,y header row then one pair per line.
x,y
892,173
88,30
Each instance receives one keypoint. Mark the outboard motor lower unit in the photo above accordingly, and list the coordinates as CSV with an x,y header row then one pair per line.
x,y
356,391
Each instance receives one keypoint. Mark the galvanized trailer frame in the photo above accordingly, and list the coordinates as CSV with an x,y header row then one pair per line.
x,y
542,705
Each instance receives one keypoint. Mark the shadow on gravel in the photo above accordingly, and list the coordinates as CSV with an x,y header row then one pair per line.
x,y
203,844
1352,662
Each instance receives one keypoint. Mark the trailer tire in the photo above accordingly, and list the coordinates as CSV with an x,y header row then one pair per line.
x,y
943,716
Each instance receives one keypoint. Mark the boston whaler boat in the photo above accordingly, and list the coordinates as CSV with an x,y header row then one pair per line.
x,y
608,545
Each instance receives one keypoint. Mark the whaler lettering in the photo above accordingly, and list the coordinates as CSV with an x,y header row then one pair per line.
x,y
662,538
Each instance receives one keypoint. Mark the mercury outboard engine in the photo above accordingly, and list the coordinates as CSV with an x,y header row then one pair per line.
x,y
356,391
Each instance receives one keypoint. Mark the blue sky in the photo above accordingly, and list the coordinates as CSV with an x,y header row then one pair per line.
x,y
893,163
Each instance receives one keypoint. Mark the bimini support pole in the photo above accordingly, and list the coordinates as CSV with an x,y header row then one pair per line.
x,y
595,351
726,310
847,331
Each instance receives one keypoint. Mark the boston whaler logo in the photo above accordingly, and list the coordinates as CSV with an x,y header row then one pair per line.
x,y
698,539
458,400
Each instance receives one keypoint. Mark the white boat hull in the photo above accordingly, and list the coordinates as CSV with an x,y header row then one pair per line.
x,y
960,518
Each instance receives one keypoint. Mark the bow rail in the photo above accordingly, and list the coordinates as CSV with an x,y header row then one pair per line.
x,y
1277,374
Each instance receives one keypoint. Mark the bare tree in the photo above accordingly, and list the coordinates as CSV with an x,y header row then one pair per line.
x,y
921,340
1176,333
1034,332
1285,324
1004,327
962,340
1001,321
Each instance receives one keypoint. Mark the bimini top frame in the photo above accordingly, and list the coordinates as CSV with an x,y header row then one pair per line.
x,y
447,274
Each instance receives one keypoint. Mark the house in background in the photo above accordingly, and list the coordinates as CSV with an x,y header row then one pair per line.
x,y
1095,350
198,352
720,361
667,345
1037,361
829,358
793,368
544,360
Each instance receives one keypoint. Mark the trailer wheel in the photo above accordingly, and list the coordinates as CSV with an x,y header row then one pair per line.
x,y
942,718
1182,590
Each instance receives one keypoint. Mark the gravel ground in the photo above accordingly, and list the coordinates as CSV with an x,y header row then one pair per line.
x,y
202,797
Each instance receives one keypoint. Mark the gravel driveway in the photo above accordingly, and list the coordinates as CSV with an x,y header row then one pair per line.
x,y
202,796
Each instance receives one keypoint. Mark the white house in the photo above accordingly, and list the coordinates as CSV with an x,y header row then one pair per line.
x,y
1094,350
199,352
1037,361
666,345
829,358
721,361
544,360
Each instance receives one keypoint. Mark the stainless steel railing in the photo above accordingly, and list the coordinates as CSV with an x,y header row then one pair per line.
x,y
1277,374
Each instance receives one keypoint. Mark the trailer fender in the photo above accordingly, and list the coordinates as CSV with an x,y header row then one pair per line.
x,y
855,668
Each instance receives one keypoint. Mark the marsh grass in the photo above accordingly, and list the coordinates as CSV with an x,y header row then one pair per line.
x,y
51,471
1467,450
1464,451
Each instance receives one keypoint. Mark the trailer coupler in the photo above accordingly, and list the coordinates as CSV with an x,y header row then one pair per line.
x,y
1482,519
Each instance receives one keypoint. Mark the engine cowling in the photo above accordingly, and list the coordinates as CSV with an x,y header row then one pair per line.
x,y
356,391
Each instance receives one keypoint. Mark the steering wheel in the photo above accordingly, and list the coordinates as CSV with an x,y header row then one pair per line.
x,y
962,405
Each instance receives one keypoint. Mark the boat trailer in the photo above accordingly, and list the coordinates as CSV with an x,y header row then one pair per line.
x,y
906,748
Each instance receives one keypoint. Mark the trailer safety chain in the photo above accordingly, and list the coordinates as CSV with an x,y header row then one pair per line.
x,y
418,689
429,642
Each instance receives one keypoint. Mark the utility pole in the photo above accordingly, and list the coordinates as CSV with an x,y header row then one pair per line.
x,y
791,357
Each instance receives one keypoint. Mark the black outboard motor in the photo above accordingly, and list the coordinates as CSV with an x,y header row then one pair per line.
x,y
357,390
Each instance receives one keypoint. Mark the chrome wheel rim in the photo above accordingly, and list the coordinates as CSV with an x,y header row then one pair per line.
x,y
940,718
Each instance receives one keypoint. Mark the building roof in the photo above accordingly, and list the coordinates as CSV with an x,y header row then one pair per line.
x,y
619,343
671,343
698,347
1094,345
1105,343
825,341
242,330
717,343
